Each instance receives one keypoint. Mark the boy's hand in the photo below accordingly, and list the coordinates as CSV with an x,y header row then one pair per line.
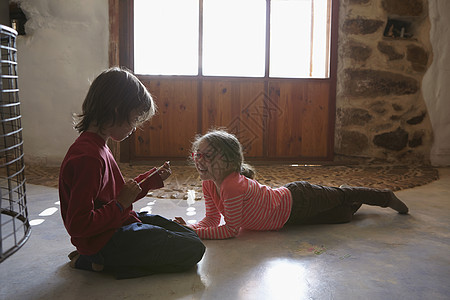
x,y
165,171
128,194
179,220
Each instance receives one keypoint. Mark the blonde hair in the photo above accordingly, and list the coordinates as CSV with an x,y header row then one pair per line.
x,y
229,149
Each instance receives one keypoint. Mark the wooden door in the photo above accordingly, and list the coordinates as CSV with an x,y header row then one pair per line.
x,y
299,122
276,120
169,133
237,106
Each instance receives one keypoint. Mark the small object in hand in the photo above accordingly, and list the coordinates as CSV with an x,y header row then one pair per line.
x,y
153,173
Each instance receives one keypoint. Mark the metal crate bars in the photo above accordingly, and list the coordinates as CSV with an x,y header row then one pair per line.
x,y
14,224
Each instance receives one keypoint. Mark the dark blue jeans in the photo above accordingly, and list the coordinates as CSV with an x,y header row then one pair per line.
x,y
157,245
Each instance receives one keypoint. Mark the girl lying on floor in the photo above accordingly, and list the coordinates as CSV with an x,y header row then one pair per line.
x,y
230,191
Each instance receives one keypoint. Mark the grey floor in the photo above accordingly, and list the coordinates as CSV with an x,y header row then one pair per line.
x,y
380,255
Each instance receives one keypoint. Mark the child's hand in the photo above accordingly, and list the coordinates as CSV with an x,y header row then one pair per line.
x,y
179,220
165,171
128,194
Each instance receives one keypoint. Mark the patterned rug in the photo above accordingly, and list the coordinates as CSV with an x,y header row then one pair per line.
x,y
184,178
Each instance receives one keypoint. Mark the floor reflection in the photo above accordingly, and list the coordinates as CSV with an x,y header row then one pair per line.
x,y
279,278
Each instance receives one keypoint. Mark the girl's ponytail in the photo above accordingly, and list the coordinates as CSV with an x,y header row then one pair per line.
x,y
248,171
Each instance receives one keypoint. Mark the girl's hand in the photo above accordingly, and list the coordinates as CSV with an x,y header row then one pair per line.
x,y
180,221
128,193
165,171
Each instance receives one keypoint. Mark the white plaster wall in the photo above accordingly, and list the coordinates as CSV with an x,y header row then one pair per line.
x,y
65,47
436,82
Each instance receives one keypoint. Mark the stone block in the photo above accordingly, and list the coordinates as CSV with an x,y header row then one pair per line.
x,y
417,119
397,107
357,2
353,116
361,26
375,83
418,58
353,142
403,7
357,51
378,107
389,51
416,140
394,140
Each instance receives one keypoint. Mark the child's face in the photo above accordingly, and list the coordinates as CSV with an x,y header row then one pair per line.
x,y
209,164
119,132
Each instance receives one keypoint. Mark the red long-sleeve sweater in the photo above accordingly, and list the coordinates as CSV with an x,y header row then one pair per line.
x,y
89,183
244,203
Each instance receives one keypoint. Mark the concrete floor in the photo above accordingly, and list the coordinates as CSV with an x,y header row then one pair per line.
x,y
380,255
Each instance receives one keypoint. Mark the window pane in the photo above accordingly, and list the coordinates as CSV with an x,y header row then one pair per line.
x,y
166,37
290,42
234,37
321,40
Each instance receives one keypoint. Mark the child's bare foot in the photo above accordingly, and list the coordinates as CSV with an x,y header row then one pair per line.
x,y
72,254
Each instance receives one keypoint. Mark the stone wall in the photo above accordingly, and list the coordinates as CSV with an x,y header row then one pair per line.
x,y
384,51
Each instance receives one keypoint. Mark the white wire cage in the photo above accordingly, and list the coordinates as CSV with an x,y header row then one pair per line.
x,y
14,223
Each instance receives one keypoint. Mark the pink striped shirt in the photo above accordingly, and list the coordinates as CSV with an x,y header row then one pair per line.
x,y
244,203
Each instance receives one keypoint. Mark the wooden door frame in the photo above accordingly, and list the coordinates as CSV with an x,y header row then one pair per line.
x,y
120,47
118,53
